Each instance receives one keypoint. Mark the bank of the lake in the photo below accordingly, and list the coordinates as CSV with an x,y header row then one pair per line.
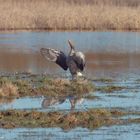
x,y
69,15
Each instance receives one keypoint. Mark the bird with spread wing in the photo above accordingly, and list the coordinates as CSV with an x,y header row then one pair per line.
x,y
75,61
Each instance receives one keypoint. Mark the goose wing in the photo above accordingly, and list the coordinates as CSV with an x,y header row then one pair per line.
x,y
55,56
79,59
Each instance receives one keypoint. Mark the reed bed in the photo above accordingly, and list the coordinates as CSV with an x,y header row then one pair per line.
x,y
69,14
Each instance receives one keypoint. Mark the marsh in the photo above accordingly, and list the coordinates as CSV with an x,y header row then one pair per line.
x,y
112,67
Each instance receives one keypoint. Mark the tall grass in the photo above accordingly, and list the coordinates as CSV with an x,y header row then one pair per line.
x,y
70,14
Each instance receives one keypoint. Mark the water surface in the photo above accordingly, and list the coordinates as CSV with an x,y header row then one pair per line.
x,y
107,53
113,55
126,99
118,132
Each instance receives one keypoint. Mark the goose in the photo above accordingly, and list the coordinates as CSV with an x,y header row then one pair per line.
x,y
75,61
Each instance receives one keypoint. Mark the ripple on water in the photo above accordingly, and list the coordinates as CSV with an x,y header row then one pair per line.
x,y
117,132
125,100
20,52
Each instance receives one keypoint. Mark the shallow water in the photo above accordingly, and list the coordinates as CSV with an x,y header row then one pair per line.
x,y
113,55
131,132
107,53
126,99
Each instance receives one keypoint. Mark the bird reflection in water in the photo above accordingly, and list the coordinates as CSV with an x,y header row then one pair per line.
x,y
47,102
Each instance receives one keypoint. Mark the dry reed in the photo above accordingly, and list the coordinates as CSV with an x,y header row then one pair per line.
x,y
70,14
8,90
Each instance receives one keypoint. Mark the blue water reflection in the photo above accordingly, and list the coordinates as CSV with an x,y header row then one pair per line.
x,y
117,132
86,41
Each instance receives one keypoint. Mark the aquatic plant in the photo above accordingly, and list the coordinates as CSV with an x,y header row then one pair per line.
x,y
105,80
91,119
110,88
50,86
44,85
62,87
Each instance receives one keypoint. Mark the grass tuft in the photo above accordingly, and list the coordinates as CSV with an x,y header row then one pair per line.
x,y
43,85
91,119
7,88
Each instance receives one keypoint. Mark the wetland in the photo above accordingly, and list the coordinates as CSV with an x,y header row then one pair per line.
x,y
48,104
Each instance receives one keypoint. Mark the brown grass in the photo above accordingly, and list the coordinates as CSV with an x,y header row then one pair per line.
x,y
43,85
8,89
91,119
70,14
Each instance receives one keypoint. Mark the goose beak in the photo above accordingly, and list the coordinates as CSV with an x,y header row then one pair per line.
x,y
70,44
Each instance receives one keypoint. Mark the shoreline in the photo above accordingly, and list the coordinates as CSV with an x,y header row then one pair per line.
x,y
64,15
66,30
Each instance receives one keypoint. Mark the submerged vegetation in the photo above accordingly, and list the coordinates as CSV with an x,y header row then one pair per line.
x,y
64,14
109,89
91,119
105,80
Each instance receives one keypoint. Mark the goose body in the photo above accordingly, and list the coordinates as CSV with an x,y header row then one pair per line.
x,y
75,61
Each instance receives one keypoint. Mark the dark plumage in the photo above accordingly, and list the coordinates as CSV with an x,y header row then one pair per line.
x,y
75,61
